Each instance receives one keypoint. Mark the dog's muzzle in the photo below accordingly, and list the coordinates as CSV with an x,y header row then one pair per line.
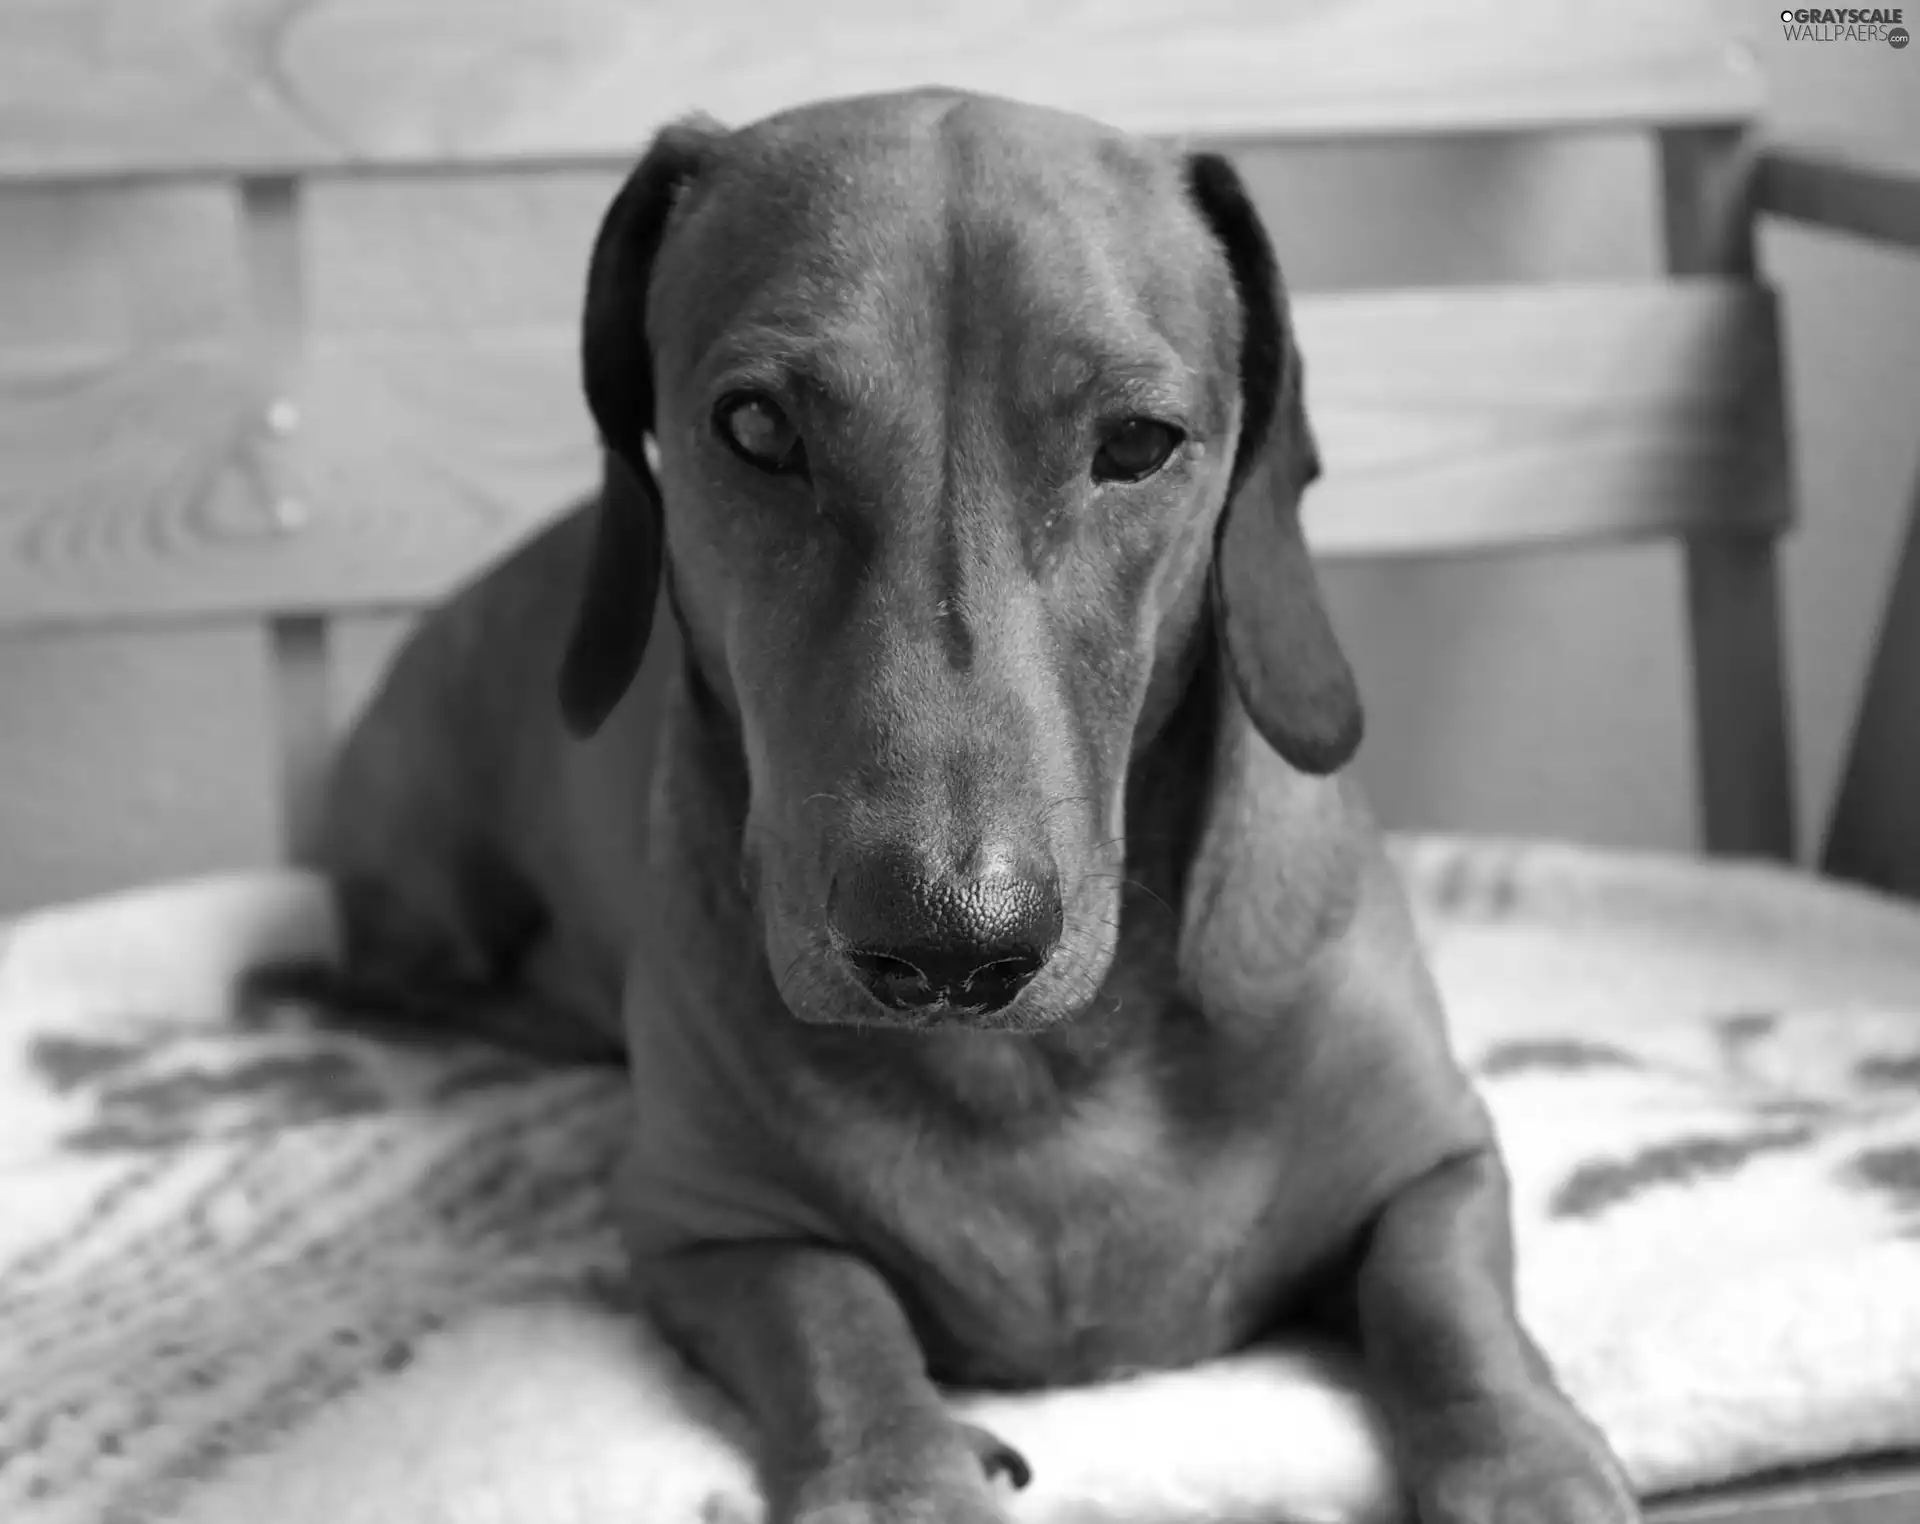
x,y
919,939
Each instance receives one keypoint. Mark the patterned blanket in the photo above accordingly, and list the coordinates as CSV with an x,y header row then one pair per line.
x,y
280,1273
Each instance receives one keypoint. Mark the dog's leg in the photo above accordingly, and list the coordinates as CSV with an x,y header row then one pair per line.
x,y
1483,1432
815,1347
443,940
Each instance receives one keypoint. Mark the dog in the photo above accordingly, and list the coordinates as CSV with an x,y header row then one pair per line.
x,y
1015,988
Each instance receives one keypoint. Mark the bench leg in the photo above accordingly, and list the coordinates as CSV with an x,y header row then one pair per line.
x,y
1873,836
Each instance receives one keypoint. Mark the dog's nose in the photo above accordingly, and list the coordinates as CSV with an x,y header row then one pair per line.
x,y
917,938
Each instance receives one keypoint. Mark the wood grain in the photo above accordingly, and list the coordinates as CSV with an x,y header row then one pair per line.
x,y
119,88
1452,421
127,490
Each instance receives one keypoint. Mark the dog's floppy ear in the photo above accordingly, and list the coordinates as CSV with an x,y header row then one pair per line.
x,y
1286,661
623,568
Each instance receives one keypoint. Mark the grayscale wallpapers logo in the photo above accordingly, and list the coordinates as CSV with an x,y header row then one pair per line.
x,y
1827,24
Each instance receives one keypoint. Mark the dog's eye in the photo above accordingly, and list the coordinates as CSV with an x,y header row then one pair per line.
x,y
761,434
1135,450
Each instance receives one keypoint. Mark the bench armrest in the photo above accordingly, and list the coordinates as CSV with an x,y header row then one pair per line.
x,y
1869,190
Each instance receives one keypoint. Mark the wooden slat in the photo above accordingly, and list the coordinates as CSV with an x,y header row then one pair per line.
x,y
297,653
1743,732
272,238
1472,420
1874,834
1869,190
128,490
109,88
272,244
130,757
1452,421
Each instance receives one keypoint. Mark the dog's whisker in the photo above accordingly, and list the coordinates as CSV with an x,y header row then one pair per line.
x,y
1127,881
1061,802
1152,894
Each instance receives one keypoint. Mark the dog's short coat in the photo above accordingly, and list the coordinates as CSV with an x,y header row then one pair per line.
x,y
1014,989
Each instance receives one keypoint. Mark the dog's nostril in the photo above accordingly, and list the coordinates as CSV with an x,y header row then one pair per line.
x,y
967,979
884,966
994,985
894,981
1011,973
919,939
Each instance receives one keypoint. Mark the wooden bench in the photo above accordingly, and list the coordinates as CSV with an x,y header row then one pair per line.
x,y
288,476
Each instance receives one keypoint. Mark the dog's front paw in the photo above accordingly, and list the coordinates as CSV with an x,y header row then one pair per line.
x,y
1537,1462
951,1483
998,1459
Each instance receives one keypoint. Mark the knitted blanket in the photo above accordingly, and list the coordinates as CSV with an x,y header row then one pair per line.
x,y
280,1273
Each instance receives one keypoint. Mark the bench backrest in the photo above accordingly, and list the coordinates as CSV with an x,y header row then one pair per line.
x,y
287,474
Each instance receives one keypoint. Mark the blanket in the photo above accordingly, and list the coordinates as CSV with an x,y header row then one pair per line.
x,y
272,1271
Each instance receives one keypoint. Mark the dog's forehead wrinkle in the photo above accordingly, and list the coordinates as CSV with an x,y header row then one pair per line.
x,y
1116,371
968,299
842,289
836,258
1074,312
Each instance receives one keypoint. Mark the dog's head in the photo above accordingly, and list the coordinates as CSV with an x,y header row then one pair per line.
x,y
960,426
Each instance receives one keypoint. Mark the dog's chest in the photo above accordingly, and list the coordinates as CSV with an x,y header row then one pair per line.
x,y
1116,1240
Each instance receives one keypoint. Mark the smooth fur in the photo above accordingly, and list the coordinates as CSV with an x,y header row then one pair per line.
x,y
1226,1101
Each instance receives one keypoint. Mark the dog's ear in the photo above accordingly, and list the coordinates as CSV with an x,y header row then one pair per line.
x,y
623,568
1286,660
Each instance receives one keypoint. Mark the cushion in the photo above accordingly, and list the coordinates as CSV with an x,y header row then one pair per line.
x,y
272,1271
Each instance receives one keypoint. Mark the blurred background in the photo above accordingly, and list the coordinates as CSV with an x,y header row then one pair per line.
x,y
1544,695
